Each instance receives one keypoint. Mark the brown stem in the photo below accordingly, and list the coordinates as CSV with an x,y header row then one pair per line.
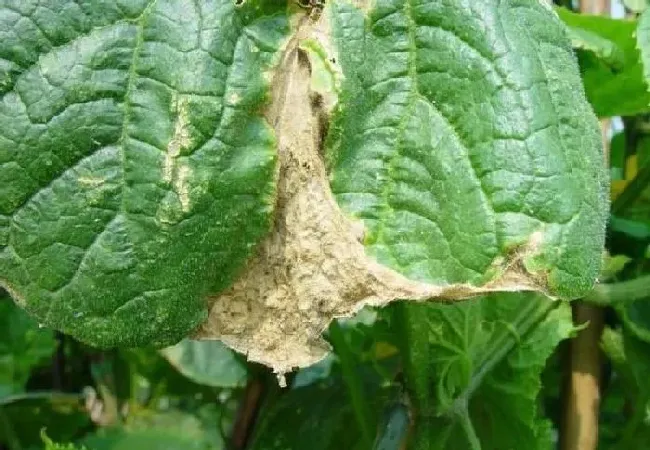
x,y
247,414
582,397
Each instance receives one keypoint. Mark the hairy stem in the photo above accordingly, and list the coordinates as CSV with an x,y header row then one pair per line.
x,y
621,292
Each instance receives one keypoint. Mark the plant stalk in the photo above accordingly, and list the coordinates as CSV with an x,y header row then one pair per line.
x,y
466,423
579,430
610,294
247,414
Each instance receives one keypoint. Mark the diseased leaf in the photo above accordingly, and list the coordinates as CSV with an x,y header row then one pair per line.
x,y
209,363
136,173
468,152
464,142
476,368
611,92
144,159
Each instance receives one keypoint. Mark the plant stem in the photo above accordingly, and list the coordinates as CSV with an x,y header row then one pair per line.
x,y
262,394
466,423
579,430
353,383
247,414
412,330
622,292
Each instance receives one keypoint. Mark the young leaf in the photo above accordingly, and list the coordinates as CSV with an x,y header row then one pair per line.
x,y
473,370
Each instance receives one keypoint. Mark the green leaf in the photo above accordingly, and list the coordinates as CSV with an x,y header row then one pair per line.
x,y
473,370
643,43
318,417
636,317
50,445
136,171
612,265
639,230
23,346
22,416
610,92
209,363
172,430
602,48
462,139
633,214
624,409
138,164
147,377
